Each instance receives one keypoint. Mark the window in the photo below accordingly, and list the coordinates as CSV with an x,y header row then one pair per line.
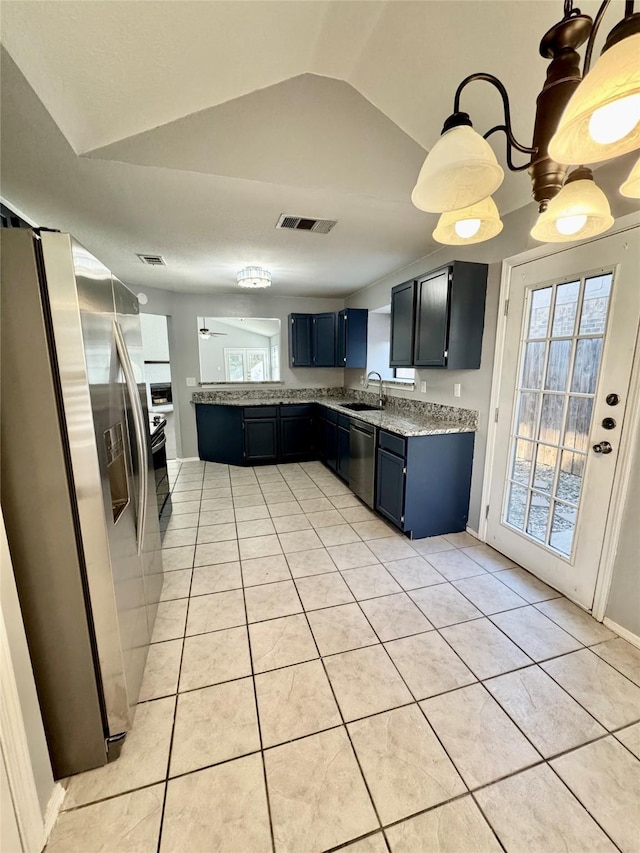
x,y
406,373
246,365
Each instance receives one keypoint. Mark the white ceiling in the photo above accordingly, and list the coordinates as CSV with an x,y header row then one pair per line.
x,y
186,128
259,326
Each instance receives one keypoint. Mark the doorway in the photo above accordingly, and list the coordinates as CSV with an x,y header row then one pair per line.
x,y
569,343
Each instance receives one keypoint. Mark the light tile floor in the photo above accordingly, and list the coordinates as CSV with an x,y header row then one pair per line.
x,y
318,682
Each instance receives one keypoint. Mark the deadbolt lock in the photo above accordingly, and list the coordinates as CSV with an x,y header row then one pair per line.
x,y
602,447
612,399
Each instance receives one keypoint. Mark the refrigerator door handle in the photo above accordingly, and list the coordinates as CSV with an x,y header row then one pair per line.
x,y
138,418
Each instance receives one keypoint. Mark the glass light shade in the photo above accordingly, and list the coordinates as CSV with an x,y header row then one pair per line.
x,y
597,107
485,213
561,221
460,170
631,187
254,277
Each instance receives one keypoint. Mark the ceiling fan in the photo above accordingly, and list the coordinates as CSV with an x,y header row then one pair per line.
x,y
205,334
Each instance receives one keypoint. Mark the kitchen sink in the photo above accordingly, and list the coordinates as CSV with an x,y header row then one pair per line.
x,y
361,407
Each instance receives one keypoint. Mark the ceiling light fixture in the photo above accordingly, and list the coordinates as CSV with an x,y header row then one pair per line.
x,y
254,277
580,118
472,224
631,187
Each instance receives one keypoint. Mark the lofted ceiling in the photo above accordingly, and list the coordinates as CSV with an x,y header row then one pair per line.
x,y
187,128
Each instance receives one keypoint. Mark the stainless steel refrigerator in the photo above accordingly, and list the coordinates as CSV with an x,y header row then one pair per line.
x,y
78,490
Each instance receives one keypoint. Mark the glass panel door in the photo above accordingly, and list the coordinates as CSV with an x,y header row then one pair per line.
x,y
560,355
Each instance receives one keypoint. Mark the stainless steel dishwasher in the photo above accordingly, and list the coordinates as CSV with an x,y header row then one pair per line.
x,y
362,460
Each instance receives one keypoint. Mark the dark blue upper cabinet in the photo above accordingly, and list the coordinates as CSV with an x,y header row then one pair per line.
x,y
403,307
300,343
450,317
329,340
438,320
324,340
352,337
431,342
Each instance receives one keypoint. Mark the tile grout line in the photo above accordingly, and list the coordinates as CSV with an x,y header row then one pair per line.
x,y
348,734
173,726
258,721
405,592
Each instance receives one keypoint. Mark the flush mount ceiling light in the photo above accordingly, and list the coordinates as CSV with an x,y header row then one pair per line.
x,y
254,277
472,224
604,105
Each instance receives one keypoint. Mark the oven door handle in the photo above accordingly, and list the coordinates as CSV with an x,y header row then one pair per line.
x,y
155,447
138,423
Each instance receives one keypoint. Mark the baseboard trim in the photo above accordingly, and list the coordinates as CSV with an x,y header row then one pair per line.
x,y
632,638
474,533
53,810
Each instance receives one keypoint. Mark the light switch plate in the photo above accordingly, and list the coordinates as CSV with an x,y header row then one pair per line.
x,y
423,386
191,381
456,389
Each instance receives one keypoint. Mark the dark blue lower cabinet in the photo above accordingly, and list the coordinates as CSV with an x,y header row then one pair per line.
x,y
342,465
261,440
331,444
424,487
220,433
390,483
296,438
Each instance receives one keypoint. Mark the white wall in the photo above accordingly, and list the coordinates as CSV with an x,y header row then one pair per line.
x,y
378,338
184,309
21,661
623,606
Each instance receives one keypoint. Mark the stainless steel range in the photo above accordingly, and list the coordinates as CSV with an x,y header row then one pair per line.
x,y
157,426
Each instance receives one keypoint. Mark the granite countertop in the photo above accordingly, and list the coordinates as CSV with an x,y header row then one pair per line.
x,y
402,424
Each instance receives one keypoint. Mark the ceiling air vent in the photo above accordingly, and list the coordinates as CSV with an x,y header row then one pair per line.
x,y
302,223
153,260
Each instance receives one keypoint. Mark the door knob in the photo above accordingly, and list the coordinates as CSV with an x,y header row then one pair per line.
x,y
602,447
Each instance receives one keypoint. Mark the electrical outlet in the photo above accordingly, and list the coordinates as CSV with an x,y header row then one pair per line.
x,y
191,381
423,386
456,389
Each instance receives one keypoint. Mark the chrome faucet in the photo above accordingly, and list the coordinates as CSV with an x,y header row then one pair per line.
x,y
374,373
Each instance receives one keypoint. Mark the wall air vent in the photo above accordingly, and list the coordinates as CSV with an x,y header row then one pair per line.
x,y
302,223
153,260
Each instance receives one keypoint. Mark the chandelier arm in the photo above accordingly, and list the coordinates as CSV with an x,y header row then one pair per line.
x,y
594,32
512,142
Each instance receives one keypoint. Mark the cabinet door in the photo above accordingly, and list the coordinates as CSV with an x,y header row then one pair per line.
x,y
324,340
352,337
331,444
296,436
402,322
261,440
300,340
341,338
390,481
432,320
220,436
342,467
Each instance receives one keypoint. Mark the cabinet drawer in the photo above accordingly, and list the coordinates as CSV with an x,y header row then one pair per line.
x,y
260,412
393,443
344,421
296,411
